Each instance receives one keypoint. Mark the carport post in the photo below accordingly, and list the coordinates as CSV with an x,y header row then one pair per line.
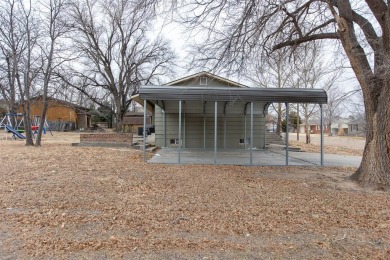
x,y
287,119
251,141
144,132
322,135
184,126
215,130
245,130
204,125
164,128
179,145
224,128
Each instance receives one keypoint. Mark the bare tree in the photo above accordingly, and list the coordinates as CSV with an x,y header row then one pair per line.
x,y
361,27
272,71
21,65
53,22
116,55
12,46
311,72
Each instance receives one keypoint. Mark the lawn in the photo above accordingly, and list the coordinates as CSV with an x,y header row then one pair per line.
x,y
60,201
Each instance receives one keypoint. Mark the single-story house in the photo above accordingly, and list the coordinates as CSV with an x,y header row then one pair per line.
x,y
61,115
357,127
133,122
271,123
315,127
339,126
210,112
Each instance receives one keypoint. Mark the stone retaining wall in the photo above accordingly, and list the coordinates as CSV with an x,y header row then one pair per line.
x,y
125,138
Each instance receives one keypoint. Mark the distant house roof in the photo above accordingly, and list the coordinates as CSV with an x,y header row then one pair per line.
x,y
136,120
78,108
312,122
136,114
357,121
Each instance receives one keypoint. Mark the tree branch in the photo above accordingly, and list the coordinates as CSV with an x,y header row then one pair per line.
x,y
304,39
379,9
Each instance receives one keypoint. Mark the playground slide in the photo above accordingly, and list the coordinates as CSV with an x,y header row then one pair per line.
x,y
14,132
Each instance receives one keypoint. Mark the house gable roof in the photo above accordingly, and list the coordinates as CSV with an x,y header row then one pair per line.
x,y
193,79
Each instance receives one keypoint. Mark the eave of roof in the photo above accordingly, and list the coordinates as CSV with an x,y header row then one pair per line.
x,y
185,93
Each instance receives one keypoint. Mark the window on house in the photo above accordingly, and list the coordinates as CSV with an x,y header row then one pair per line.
x,y
203,81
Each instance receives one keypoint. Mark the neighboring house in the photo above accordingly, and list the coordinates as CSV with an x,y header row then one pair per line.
x,y
133,122
62,115
315,127
271,123
357,127
340,127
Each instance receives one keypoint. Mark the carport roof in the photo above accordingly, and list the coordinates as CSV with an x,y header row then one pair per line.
x,y
186,93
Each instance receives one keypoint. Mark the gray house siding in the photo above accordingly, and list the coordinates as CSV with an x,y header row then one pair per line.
x,y
193,125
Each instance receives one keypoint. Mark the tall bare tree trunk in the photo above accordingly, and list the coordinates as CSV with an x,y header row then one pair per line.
x,y
375,166
330,129
307,125
376,155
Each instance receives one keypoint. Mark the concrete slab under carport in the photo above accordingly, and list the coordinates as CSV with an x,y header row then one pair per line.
x,y
268,157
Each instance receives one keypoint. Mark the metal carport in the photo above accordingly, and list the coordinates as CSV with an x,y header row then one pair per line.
x,y
158,94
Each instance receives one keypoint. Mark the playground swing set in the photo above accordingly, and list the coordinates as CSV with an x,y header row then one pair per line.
x,y
14,123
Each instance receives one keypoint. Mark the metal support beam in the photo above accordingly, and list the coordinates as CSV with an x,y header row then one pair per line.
x,y
215,130
265,113
179,145
184,126
144,133
322,135
251,140
298,129
164,128
245,131
287,129
224,125
204,125
265,132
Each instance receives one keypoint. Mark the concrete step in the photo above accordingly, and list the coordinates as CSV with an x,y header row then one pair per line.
x,y
273,138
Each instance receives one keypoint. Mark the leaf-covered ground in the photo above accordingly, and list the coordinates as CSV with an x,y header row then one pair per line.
x,y
60,201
